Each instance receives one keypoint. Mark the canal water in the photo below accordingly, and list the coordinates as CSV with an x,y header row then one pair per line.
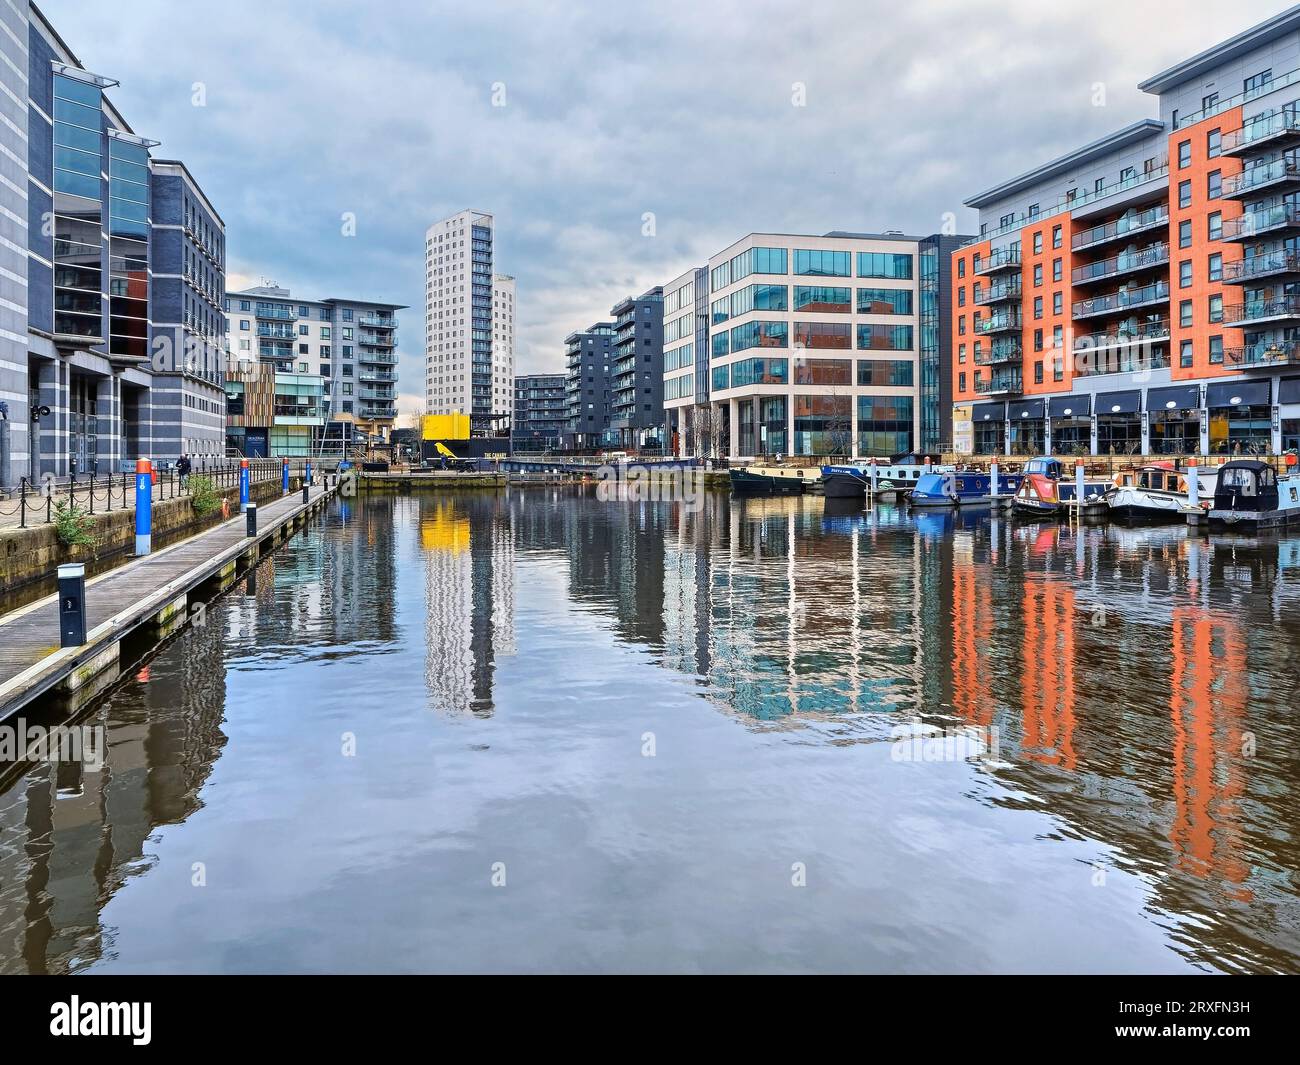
x,y
539,731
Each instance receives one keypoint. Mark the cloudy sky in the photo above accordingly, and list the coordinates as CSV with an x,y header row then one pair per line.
x,y
310,111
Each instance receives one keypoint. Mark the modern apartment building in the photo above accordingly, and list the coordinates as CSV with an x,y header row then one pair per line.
x,y
686,364
340,354
589,356
637,375
541,412
469,325
814,345
1141,294
93,278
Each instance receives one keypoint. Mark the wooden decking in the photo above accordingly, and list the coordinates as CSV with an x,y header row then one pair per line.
x,y
154,588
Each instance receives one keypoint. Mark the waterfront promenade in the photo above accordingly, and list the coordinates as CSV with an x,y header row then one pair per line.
x,y
153,587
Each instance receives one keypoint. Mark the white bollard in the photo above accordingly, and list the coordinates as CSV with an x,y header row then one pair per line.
x,y
993,480
875,474
1078,486
1193,488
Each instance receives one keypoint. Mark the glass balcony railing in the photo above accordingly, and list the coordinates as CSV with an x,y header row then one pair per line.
x,y
1122,300
378,321
1277,309
1010,289
1125,263
1002,350
1266,175
1263,129
1261,220
1002,259
1126,333
999,323
1267,264
1137,222
1263,356
999,384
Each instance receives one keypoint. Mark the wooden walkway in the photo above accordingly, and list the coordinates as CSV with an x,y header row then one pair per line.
x,y
153,588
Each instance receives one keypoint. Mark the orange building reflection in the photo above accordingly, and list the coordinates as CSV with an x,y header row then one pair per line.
x,y
1048,716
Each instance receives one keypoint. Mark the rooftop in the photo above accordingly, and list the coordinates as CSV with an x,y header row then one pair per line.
x,y
1225,51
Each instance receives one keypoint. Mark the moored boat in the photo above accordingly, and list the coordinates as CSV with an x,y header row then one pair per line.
x,y
961,488
851,481
1250,495
1158,493
773,480
1045,492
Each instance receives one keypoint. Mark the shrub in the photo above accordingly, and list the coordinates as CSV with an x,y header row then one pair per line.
x,y
203,495
73,525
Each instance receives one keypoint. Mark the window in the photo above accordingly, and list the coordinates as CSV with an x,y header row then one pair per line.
x,y
243,323
1216,225
1038,274
885,338
1127,175
1185,354
1216,350
1216,310
1038,243
304,349
821,263
1184,154
884,264
1033,210
1209,103
961,381
1099,186
1216,266
1214,184
1213,143
1057,268
1185,274
1056,236
884,300
1184,194
1038,340
1038,307
1257,82
1173,119
1058,303
885,373
1038,373
302,330
822,335
961,295
961,353
961,267
1185,233
1185,314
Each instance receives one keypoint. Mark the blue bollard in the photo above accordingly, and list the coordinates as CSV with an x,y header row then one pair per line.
x,y
143,506
307,479
284,477
243,485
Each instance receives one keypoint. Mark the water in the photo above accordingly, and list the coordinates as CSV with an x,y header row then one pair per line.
x,y
540,731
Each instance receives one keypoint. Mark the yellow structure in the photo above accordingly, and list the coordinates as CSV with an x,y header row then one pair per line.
x,y
444,427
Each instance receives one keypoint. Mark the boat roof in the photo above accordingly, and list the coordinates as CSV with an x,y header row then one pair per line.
x,y
1245,464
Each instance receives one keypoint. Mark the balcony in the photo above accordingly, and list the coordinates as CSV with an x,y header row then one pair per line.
x,y
379,394
378,411
998,261
377,321
1258,312
1008,321
1010,289
1281,127
270,310
1267,356
1001,384
377,340
1125,334
276,332
1255,179
1269,264
1122,228
1261,221
365,374
1123,300
378,358
1002,351
1124,263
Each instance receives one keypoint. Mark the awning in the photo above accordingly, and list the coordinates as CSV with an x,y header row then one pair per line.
x,y
1025,410
989,412
1176,397
1119,402
1289,390
1070,406
1238,394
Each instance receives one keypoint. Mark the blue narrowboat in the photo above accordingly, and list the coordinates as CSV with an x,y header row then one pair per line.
x,y
962,488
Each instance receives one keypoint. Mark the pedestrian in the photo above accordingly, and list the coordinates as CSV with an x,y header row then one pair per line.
x,y
183,468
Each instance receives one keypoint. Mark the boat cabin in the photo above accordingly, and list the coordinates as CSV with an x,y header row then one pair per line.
x,y
1044,466
1246,484
1159,478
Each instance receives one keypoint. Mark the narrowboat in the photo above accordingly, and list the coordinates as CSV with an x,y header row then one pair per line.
x,y
851,481
1045,491
773,480
1157,493
961,488
1250,495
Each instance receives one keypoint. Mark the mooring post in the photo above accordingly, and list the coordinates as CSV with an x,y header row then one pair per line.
x,y
1193,488
243,485
993,480
284,476
250,520
307,478
875,477
143,506
304,490
1078,487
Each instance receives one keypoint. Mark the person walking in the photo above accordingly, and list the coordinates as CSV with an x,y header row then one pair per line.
x,y
183,468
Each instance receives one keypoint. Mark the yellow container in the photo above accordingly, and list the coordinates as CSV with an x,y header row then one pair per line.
x,y
444,427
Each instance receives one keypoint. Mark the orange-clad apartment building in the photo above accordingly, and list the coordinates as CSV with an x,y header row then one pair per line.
x,y
1141,295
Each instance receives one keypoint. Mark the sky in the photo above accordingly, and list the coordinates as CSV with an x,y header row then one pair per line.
x,y
616,146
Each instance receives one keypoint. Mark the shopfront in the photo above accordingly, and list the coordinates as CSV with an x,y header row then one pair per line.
x,y
989,420
1288,398
1174,420
1071,418
1240,417
1028,427
1119,423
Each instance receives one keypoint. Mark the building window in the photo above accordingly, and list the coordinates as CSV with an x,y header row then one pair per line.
x,y
1185,233
1038,340
1216,266
1185,274
243,324
1209,103
1185,314
1216,310
1184,155
1185,354
1038,243
1214,184
1257,82
1038,307
1058,303
1057,269
1184,194
1213,143
961,267
961,381
1216,350
1038,274
1038,373
1216,225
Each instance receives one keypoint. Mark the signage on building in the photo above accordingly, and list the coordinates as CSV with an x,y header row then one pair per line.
x,y
963,430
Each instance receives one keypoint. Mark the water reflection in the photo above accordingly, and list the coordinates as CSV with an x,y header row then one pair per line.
x,y
1140,683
